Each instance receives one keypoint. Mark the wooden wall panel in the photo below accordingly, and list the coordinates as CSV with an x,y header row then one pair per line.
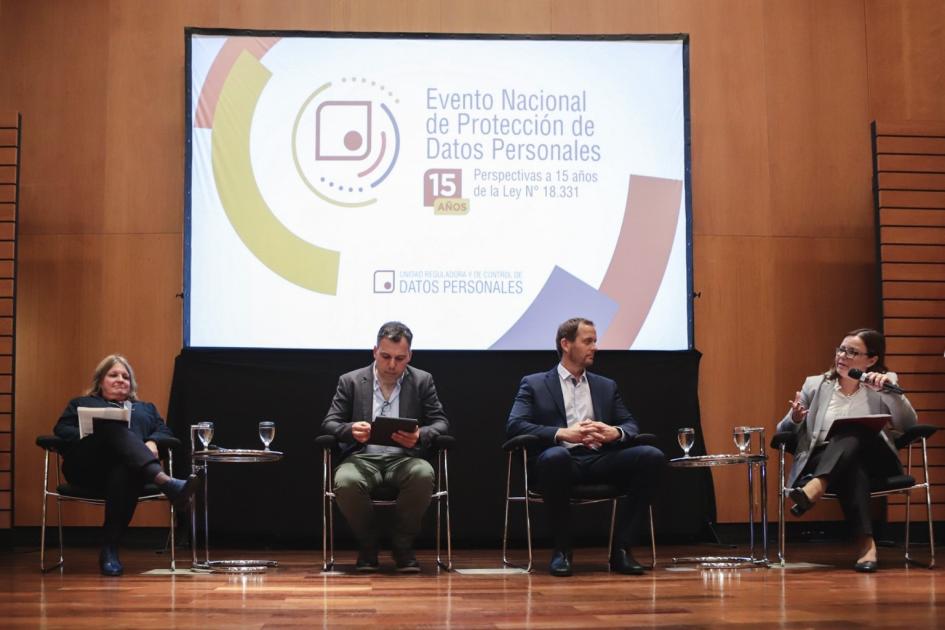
x,y
820,155
731,185
738,277
82,297
392,16
781,91
906,73
59,51
606,16
495,16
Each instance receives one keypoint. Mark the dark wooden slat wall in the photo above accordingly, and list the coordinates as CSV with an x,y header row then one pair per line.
x,y
910,209
10,138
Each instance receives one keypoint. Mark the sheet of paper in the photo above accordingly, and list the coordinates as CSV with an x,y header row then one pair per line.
x,y
88,414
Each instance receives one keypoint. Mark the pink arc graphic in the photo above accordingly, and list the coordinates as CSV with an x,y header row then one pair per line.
x,y
620,306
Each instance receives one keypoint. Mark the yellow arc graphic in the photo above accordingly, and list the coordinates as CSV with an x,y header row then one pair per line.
x,y
298,261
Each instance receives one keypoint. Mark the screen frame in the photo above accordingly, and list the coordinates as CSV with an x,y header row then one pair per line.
x,y
190,32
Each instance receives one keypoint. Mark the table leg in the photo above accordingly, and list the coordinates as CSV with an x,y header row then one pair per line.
x,y
764,510
193,523
751,511
206,515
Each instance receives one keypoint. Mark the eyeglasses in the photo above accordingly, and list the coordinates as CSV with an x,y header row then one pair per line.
x,y
385,408
850,353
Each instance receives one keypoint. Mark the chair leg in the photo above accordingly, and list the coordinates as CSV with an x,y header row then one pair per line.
x,y
781,489
528,532
42,534
173,542
42,538
610,538
448,565
505,524
928,511
443,481
328,534
928,508
528,523
652,540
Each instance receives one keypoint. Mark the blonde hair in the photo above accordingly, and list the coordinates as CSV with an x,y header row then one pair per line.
x,y
102,369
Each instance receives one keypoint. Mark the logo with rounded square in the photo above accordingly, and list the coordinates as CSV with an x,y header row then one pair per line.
x,y
345,140
384,281
343,130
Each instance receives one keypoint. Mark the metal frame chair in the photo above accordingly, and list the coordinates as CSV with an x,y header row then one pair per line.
x,y
583,494
386,496
64,491
786,442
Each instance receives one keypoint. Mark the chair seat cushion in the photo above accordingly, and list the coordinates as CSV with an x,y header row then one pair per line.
x,y
590,491
81,492
385,493
895,482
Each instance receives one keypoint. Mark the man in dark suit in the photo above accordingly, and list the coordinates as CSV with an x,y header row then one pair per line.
x,y
387,387
584,429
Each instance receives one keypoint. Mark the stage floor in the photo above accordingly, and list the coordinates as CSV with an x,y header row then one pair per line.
x,y
819,589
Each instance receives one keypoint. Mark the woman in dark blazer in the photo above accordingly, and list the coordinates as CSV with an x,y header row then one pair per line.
x,y
846,462
117,459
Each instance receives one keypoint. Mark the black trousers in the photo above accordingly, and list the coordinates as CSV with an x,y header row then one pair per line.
x,y
116,462
847,463
635,470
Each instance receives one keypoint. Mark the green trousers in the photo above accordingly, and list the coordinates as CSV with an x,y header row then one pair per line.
x,y
360,474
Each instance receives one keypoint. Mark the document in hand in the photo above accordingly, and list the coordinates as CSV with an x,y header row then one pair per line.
x,y
874,422
384,427
88,415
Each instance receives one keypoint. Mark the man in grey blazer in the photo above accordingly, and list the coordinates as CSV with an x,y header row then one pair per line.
x,y
387,387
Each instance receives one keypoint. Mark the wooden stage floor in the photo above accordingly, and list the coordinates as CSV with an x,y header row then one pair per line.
x,y
828,594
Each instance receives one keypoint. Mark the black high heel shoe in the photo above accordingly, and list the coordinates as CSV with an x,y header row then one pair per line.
x,y
801,502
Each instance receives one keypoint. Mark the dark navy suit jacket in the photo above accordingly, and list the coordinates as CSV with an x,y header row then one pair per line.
x,y
539,408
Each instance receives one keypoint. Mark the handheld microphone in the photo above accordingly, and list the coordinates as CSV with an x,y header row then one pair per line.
x,y
891,388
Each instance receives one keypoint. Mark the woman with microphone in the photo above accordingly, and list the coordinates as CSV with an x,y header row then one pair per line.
x,y
857,384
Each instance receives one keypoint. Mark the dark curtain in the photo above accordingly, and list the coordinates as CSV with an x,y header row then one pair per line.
x,y
279,503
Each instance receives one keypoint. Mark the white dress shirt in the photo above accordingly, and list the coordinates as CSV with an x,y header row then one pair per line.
x,y
577,400
843,406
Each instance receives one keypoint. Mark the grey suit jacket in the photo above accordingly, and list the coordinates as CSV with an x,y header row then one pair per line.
x,y
816,394
354,402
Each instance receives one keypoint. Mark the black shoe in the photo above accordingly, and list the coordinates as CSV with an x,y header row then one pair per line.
x,y
622,561
367,561
801,502
405,561
179,491
867,566
108,561
560,563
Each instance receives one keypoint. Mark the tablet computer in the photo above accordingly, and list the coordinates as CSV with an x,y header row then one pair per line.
x,y
384,427
874,422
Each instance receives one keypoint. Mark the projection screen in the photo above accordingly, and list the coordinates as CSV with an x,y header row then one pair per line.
x,y
480,189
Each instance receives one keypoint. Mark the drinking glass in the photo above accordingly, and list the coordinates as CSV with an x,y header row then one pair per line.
x,y
267,432
742,437
686,438
205,433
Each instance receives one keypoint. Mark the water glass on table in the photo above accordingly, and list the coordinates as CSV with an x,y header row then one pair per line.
x,y
686,437
267,432
742,438
205,433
